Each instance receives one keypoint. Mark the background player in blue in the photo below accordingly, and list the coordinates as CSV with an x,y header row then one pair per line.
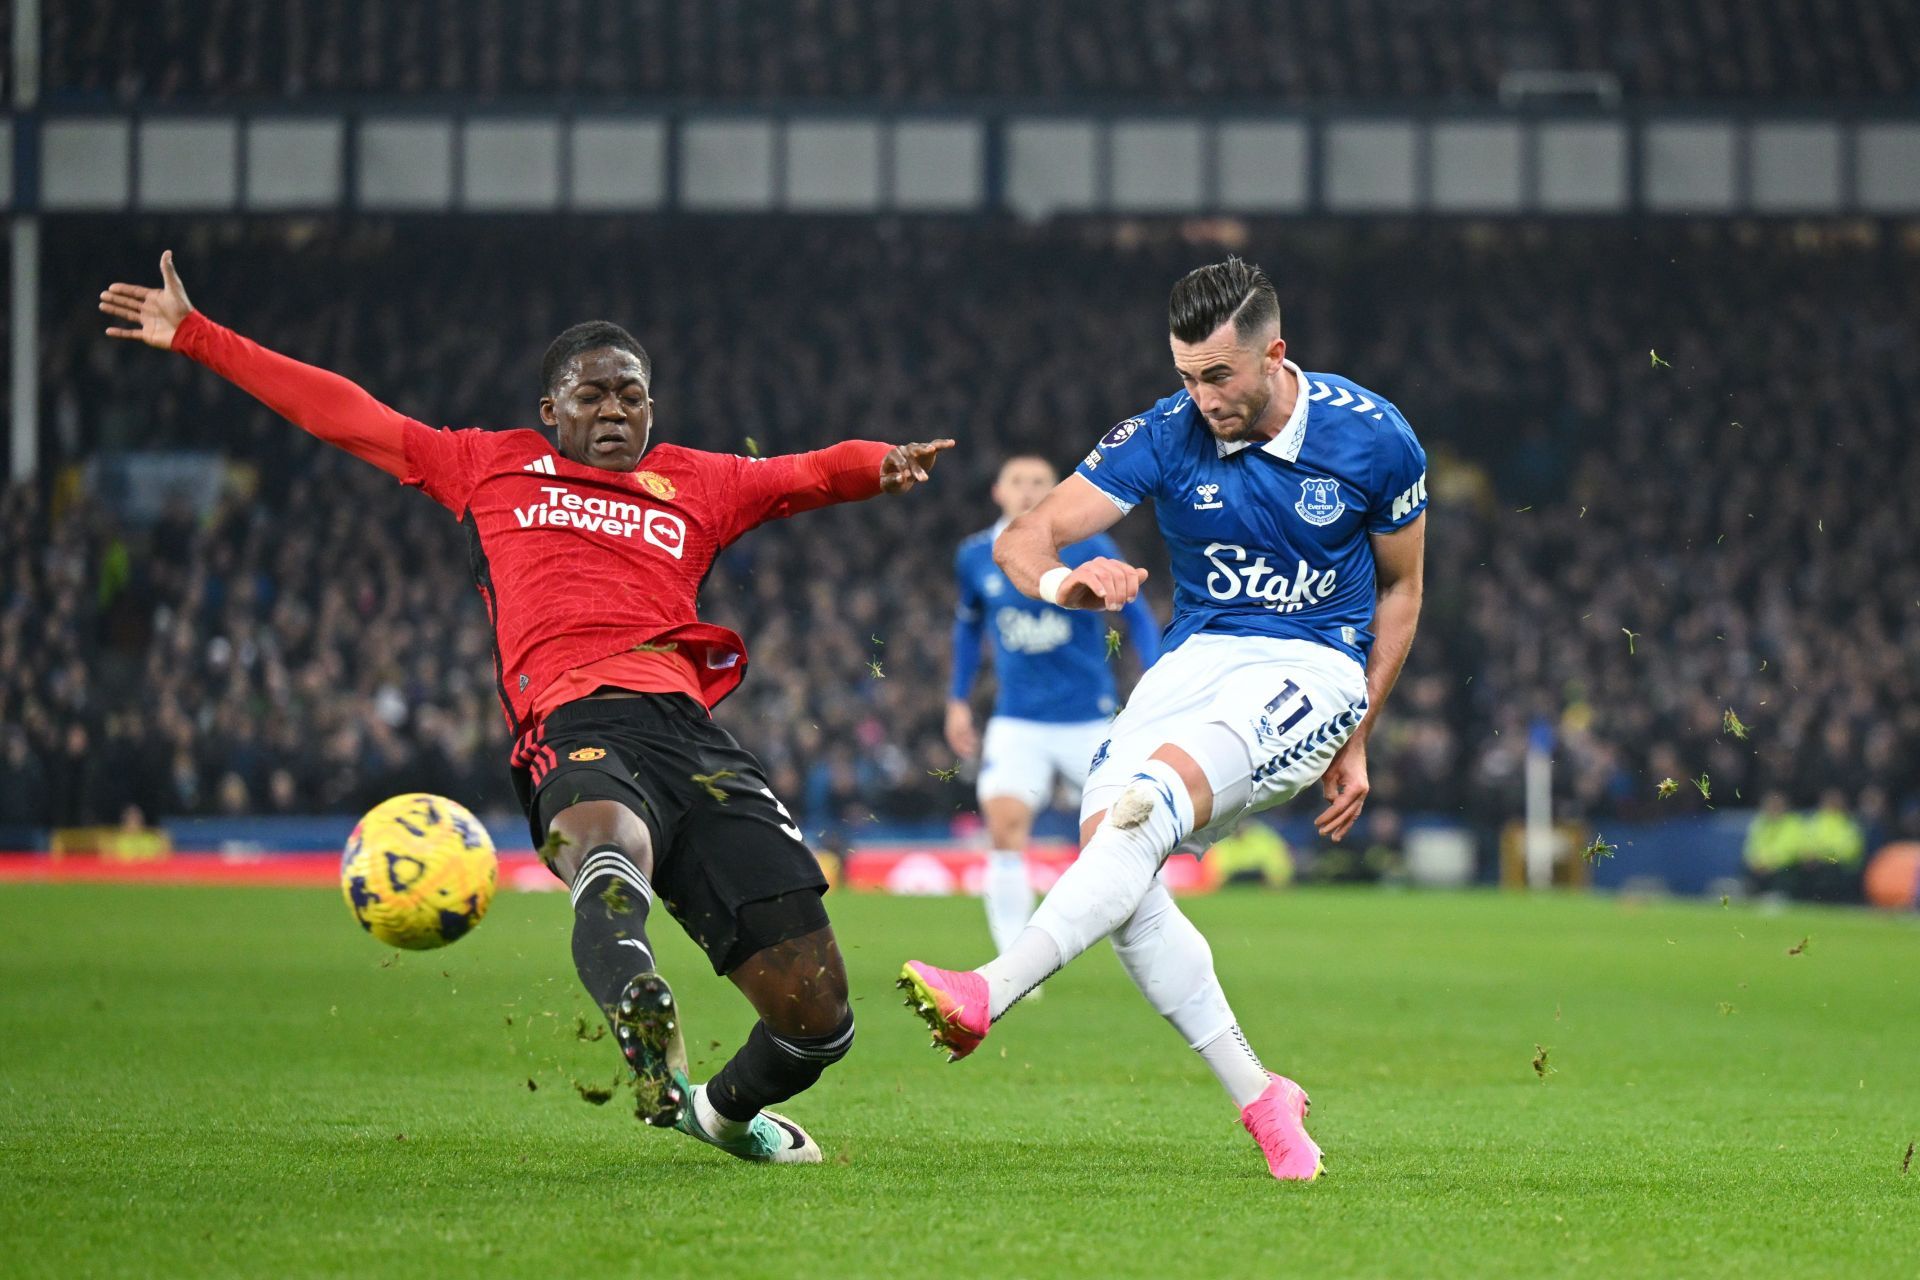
x,y
1055,689
1293,506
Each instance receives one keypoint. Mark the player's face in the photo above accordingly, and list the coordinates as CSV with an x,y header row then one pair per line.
x,y
601,410
1231,380
1021,485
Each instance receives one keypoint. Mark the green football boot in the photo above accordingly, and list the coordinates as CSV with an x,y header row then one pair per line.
x,y
768,1138
646,1026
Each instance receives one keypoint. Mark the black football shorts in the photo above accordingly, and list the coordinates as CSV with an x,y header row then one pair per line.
x,y
728,860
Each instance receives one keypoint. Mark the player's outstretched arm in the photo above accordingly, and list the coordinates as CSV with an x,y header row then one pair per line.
x,y
1028,551
322,403
1399,560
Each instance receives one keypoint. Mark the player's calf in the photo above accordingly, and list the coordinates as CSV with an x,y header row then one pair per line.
x,y
799,988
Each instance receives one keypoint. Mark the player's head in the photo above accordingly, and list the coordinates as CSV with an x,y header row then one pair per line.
x,y
1024,479
1224,325
595,381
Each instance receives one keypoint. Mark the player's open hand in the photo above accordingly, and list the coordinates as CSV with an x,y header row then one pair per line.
x,y
1345,786
155,313
906,465
1101,583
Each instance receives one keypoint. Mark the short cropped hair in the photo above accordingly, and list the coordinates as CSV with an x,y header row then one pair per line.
x,y
593,335
1207,297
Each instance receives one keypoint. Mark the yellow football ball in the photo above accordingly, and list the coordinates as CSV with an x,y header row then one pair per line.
x,y
419,871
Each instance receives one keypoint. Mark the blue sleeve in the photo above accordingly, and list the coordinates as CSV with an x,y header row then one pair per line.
x,y
1143,631
1124,465
968,616
1400,491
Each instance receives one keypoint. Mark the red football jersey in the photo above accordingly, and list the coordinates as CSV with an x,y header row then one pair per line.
x,y
576,564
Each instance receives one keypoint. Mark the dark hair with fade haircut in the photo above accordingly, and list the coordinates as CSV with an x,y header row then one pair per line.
x,y
1207,297
589,336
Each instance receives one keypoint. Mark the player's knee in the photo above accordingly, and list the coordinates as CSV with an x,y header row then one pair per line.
x,y
1156,799
594,824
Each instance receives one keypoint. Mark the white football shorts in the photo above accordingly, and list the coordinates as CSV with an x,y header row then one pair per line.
x,y
1289,706
1020,759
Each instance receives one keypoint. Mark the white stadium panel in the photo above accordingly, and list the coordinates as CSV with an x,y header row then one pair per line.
x,y
83,163
1887,157
833,165
1688,166
406,163
188,164
1796,167
939,164
293,163
1157,166
1476,166
1368,165
510,164
1262,166
1051,166
1582,166
726,164
618,163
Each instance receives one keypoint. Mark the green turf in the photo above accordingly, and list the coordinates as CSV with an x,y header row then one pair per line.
x,y
238,1082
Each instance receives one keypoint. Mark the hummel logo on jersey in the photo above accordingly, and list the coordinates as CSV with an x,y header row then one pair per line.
x,y
1415,495
562,508
1342,398
1209,497
542,465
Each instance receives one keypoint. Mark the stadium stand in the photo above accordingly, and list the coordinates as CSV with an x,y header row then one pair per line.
x,y
306,640
915,52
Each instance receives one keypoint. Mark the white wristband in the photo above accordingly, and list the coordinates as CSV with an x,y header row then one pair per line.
x,y
1050,583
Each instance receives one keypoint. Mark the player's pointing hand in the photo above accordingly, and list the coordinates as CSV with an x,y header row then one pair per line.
x,y
908,464
1101,583
155,313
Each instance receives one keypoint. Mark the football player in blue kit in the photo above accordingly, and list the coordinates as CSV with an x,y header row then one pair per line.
x,y
1293,506
1055,689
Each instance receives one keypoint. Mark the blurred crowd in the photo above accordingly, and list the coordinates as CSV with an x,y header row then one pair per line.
x,y
928,51
1673,469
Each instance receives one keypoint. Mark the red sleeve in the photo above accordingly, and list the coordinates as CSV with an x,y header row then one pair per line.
x,y
774,488
323,403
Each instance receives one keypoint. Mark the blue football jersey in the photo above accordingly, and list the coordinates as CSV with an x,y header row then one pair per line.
x,y
1271,538
1050,663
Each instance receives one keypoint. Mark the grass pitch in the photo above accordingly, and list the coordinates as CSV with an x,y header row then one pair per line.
x,y
238,1082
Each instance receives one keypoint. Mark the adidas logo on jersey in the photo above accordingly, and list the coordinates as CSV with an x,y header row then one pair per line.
x,y
567,510
542,465
1259,581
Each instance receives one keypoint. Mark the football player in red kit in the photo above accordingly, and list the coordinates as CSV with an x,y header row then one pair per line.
x,y
589,556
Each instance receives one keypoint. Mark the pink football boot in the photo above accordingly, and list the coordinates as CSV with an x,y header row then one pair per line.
x,y
1277,1121
953,1004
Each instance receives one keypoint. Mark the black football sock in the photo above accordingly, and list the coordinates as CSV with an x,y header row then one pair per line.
x,y
771,1068
610,902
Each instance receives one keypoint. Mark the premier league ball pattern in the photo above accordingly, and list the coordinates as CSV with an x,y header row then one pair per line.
x,y
418,872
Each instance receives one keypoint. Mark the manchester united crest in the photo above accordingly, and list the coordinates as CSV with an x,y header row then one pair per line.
x,y
586,754
657,485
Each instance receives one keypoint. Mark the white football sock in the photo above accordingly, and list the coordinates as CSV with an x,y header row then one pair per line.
x,y
1236,1066
1008,895
1171,963
1101,889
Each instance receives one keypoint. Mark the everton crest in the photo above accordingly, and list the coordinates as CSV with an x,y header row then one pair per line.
x,y
1320,502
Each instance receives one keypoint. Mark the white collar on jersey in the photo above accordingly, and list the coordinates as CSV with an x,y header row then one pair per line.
x,y
1286,444
1000,524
